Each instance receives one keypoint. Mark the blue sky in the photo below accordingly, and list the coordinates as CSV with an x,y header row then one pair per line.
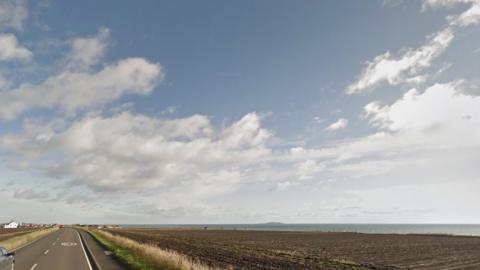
x,y
239,111
247,56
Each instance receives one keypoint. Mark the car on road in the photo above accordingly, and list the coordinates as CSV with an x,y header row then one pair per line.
x,y
7,259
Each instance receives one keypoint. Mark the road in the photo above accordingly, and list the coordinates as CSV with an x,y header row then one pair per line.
x,y
60,250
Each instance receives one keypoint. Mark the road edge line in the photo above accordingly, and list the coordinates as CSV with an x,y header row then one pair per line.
x,y
84,251
96,265
114,256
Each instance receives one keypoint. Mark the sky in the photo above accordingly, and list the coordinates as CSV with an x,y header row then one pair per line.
x,y
169,112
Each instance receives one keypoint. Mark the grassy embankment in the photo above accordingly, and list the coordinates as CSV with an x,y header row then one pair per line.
x,y
140,256
20,240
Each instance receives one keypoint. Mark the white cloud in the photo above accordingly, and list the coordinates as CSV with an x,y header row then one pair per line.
x,y
72,91
339,124
305,169
10,49
424,112
413,131
79,84
87,51
244,133
166,160
424,121
394,70
406,68
469,17
140,152
444,3
13,14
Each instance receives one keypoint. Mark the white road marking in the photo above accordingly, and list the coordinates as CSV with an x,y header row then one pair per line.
x,y
46,251
69,244
84,253
33,267
29,243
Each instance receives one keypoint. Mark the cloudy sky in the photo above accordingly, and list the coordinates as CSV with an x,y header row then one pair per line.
x,y
240,111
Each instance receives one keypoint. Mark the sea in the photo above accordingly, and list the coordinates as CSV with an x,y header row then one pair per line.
x,y
440,229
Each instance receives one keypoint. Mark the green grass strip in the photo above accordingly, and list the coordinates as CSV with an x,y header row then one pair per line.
x,y
124,255
25,238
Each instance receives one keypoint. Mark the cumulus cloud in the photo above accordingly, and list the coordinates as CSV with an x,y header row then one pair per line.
x,y
11,50
71,91
407,66
82,82
404,68
417,125
417,111
339,124
138,151
192,157
13,14
419,119
78,84
87,51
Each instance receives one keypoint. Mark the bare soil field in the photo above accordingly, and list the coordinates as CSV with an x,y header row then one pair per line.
x,y
314,250
9,233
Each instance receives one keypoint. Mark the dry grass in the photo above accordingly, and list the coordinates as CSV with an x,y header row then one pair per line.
x,y
155,257
18,241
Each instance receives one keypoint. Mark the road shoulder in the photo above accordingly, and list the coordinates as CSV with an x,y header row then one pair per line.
x,y
101,258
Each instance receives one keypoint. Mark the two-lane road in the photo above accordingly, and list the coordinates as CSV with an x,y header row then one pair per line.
x,y
60,250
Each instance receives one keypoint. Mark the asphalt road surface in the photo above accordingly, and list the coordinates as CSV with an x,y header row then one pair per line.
x,y
60,250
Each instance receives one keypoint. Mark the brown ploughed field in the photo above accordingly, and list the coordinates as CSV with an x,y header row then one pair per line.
x,y
314,250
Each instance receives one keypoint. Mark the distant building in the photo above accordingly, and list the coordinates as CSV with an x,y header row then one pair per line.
x,y
11,225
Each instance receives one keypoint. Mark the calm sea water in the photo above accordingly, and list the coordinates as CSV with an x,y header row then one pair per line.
x,y
453,229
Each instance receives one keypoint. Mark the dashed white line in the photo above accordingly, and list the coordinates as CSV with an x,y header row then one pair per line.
x,y
46,251
33,267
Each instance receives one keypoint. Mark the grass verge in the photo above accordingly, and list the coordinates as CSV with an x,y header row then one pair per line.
x,y
140,256
6,236
20,240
